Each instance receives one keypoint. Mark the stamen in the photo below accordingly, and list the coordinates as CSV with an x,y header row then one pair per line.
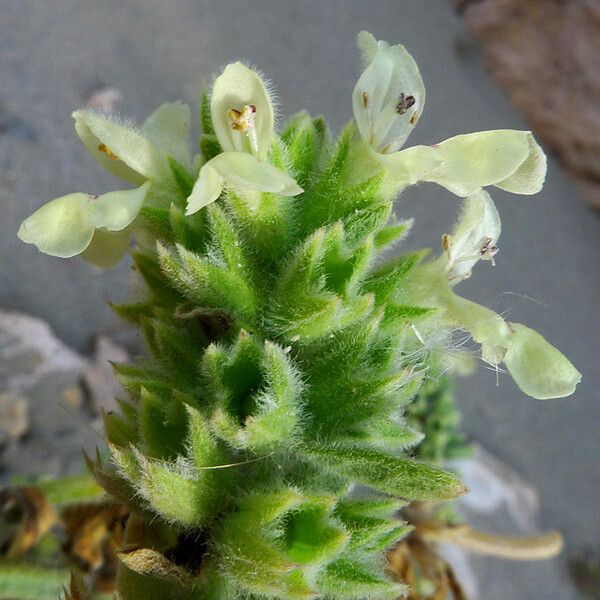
x,y
366,100
243,122
446,242
488,250
418,334
108,151
404,103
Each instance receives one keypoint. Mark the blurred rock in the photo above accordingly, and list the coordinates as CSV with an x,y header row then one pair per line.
x,y
15,126
14,420
29,351
546,55
496,489
99,378
41,393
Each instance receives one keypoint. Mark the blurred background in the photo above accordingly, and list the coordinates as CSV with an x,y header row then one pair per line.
x,y
487,64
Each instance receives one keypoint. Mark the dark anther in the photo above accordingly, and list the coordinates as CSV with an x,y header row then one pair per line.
x,y
404,103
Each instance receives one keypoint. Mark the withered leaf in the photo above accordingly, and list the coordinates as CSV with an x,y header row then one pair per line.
x,y
146,561
25,516
77,589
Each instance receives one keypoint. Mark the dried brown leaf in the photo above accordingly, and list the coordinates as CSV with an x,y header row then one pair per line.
x,y
25,516
94,535
77,589
146,561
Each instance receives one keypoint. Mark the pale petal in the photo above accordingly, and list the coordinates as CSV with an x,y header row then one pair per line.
x,y
121,150
389,96
369,94
537,367
107,248
245,172
63,227
367,44
237,87
168,129
485,326
529,177
508,159
207,189
116,210
474,237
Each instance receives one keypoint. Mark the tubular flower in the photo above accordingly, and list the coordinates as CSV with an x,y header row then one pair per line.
x,y
242,116
98,227
539,369
388,100
137,155
474,238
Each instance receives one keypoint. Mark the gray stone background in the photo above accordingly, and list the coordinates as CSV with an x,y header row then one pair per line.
x,y
53,52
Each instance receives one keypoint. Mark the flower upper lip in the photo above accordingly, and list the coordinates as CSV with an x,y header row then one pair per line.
x,y
389,96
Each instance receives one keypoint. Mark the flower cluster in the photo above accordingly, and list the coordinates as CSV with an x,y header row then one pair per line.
x,y
388,100
283,344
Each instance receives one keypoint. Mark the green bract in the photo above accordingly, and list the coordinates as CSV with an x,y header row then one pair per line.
x,y
283,341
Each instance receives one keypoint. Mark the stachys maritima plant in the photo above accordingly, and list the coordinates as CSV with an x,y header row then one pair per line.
x,y
283,343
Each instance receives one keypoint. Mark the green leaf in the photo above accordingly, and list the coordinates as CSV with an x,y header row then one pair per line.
x,y
208,285
390,474
182,176
70,489
353,580
387,279
306,140
163,424
392,233
206,123
387,434
209,146
21,582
